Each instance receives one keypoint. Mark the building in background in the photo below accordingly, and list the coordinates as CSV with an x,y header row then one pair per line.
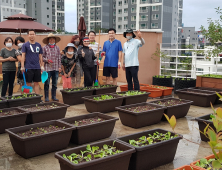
x,y
47,12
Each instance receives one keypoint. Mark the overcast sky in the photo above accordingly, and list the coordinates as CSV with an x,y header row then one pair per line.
x,y
195,13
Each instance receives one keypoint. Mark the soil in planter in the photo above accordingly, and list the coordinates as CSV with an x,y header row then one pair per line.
x,y
103,97
45,107
206,164
22,96
102,86
131,93
140,108
88,121
170,102
151,139
196,92
9,113
92,153
77,89
38,131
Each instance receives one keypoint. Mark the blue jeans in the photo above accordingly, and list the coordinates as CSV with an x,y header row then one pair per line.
x,y
55,75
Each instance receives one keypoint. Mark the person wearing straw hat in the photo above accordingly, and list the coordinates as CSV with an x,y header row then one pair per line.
x,y
130,57
52,60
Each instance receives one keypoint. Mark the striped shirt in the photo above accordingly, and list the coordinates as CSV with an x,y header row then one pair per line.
x,y
54,55
94,46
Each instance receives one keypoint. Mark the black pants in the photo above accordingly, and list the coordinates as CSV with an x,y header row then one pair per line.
x,y
8,80
94,78
89,73
132,73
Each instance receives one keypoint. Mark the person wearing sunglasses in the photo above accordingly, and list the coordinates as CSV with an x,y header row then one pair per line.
x,y
87,57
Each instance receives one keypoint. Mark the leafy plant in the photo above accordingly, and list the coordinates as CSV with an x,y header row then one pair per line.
x,y
103,97
131,93
23,96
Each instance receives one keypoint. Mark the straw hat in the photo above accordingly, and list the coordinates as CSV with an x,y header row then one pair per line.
x,y
51,35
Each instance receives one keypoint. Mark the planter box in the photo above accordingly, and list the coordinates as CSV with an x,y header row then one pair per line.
x,y
127,100
178,111
153,93
104,90
202,125
103,106
199,99
3,103
182,84
141,119
186,167
24,101
91,132
163,81
125,87
209,82
12,120
28,147
118,161
154,155
45,115
199,168
75,97
166,91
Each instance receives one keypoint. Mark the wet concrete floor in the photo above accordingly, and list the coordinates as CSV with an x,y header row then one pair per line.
x,y
187,152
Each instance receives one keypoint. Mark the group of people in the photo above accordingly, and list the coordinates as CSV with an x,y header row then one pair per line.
x,y
73,62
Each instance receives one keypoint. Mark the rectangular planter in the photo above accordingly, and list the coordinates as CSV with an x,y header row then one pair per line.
x,y
166,90
186,167
199,168
12,120
153,93
3,103
198,99
75,97
91,132
104,90
154,155
202,125
178,111
209,82
118,161
141,119
102,106
127,100
45,115
28,147
24,101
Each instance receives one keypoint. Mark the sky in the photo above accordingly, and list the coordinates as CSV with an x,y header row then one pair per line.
x,y
195,13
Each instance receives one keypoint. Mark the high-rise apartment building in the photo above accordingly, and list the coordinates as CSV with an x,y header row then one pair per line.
x,y
48,12
148,15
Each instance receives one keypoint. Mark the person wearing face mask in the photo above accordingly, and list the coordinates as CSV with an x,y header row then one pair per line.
x,y
19,41
52,60
87,57
68,62
8,58
130,57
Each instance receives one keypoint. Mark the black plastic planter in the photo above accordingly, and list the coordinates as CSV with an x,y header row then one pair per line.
x,y
103,106
23,101
182,84
118,161
203,125
111,89
45,115
12,120
178,111
203,98
154,155
127,100
91,132
28,147
3,103
141,119
163,81
75,97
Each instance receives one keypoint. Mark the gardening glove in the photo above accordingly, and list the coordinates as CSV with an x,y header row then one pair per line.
x,y
42,68
119,65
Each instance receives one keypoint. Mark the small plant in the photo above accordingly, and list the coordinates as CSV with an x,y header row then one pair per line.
x,y
103,97
131,93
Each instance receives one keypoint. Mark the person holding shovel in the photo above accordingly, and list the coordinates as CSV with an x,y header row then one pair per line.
x,y
52,59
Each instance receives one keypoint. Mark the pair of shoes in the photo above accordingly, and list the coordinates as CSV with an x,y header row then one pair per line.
x,y
46,96
54,96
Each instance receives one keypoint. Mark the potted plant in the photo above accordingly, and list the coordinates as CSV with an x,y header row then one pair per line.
x,y
186,167
153,92
74,96
40,138
91,127
165,90
149,146
107,155
103,89
25,99
12,117
140,114
3,103
177,107
209,80
133,96
201,98
45,111
102,103
162,80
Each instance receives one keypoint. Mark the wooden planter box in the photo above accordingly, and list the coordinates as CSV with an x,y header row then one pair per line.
x,y
209,82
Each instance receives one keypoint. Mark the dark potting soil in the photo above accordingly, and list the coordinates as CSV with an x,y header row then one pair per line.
x,y
45,107
11,112
195,92
140,108
38,131
88,121
170,102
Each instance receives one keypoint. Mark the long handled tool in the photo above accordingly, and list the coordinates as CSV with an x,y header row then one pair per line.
x,y
25,88
96,82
